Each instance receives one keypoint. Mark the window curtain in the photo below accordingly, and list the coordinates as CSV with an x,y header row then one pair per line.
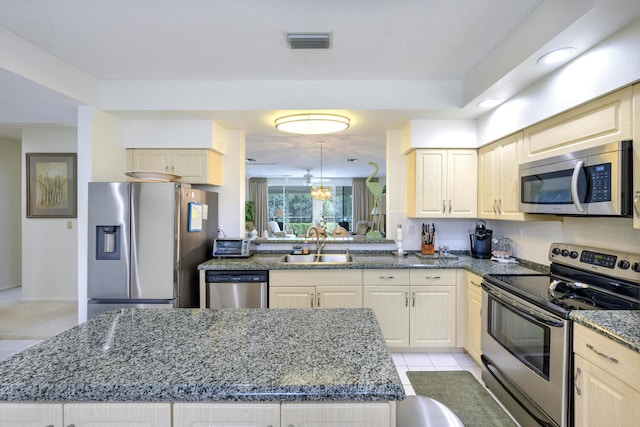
x,y
258,192
361,196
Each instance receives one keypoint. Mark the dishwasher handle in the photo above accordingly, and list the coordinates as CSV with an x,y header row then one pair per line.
x,y
235,276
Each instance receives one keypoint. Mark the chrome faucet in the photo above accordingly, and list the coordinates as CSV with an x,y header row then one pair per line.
x,y
319,246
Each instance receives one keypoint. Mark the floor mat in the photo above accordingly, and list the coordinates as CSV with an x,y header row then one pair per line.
x,y
463,394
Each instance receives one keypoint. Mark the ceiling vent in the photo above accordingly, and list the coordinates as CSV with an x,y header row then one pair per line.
x,y
309,40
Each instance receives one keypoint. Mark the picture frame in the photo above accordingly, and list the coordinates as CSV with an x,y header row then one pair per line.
x,y
51,185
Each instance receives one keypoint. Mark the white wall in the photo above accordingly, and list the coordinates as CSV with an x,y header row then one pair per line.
x,y
10,229
49,245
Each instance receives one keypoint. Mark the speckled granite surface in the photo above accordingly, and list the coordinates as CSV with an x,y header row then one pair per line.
x,y
622,326
209,355
376,261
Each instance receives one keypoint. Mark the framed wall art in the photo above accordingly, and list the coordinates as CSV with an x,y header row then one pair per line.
x,y
51,185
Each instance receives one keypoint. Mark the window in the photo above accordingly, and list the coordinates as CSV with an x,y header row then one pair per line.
x,y
292,208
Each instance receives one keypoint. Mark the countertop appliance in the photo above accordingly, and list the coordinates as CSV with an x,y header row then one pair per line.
x,y
481,241
597,182
526,331
237,288
146,240
232,248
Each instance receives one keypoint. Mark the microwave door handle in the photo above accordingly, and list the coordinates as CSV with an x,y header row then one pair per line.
x,y
574,186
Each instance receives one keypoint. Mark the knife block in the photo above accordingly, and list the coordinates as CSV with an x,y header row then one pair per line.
x,y
427,249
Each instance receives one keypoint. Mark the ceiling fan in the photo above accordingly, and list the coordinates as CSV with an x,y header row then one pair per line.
x,y
310,180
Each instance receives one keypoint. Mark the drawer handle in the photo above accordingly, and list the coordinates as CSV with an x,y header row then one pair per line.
x,y
575,381
385,277
432,277
599,353
474,283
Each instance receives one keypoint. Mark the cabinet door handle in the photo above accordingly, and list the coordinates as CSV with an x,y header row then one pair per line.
x,y
606,356
500,206
406,299
385,277
318,300
495,202
575,381
449,205
413,299
474,283
444,206
311,295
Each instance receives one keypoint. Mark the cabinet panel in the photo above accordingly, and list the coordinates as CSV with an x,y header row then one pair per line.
x,y
603,120
601,399
636,155
391,307
337,414
118,414
195,166
226,414
444,277
339,296
433,316
150,160
292,296
30,414
473,318
462,166
315,277
386,277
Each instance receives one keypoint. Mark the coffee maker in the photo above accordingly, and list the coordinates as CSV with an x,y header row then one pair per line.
x,y
481,241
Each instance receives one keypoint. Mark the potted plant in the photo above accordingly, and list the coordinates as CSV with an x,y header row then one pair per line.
x,y
249,214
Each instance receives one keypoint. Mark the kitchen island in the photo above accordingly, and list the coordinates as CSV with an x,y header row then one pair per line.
x,y
241,356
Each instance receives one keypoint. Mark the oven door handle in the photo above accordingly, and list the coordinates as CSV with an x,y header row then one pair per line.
x,y
574,186
523,310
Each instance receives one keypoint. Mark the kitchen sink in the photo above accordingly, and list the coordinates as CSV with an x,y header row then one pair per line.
x,y
318,259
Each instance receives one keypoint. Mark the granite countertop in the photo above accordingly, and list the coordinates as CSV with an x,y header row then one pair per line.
x,y
377,261
622,326
160,355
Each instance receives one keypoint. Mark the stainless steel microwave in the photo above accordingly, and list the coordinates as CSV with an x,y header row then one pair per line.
x,y
592,182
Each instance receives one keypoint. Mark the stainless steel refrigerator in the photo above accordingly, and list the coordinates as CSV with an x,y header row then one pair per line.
x,y
146,240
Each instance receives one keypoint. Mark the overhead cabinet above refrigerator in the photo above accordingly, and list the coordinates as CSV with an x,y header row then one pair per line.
x,y
146,240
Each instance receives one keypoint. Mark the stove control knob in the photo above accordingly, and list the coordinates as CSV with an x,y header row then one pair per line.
x,y
556,251
565,252
624,264
636,267
574,254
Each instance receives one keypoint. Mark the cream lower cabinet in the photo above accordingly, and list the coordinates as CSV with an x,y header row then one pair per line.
x,y
420,315
117,414
442,183
196,166
606,381
322,289
473,318
381,414
30,414
226,414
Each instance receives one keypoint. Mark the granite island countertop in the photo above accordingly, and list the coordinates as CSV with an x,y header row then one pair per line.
x,y
194,355
377,261
622,326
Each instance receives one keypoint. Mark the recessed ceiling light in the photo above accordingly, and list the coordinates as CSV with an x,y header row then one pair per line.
x,y
489,103
351,160
556,56
250,159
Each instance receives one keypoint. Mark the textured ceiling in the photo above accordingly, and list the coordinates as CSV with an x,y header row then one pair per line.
x,y
482,46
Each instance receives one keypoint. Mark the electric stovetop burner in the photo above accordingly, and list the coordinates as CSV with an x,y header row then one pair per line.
x,y
581,278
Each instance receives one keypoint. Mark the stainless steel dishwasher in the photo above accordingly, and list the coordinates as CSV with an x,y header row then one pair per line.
x,y
237,288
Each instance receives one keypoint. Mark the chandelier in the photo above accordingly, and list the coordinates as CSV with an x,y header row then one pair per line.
x,y
321,192
312,123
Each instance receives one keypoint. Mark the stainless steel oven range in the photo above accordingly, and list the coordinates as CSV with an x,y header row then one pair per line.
x,y
527,334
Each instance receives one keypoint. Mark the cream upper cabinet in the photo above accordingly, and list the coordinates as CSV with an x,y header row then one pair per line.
x,y
636,156
603,120
30,414
315,289
196,166
498,188
473,318
442,183
606,380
